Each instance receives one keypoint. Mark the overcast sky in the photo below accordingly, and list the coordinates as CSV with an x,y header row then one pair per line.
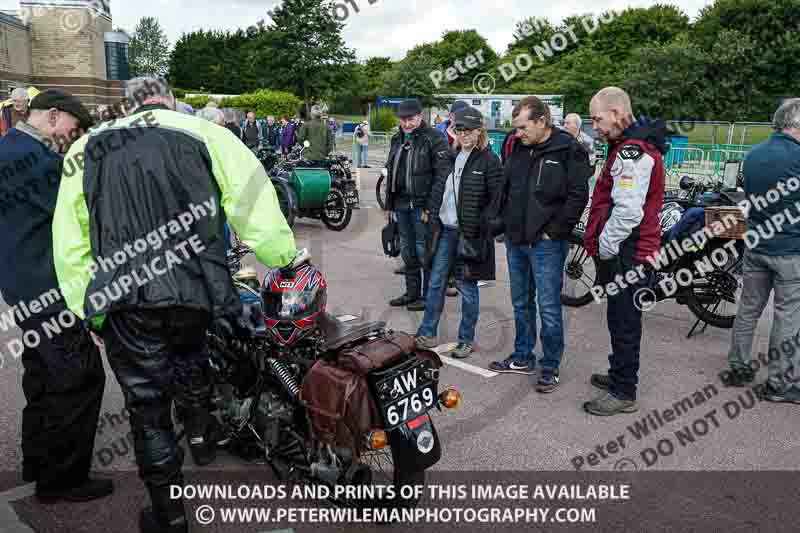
x,y
385,27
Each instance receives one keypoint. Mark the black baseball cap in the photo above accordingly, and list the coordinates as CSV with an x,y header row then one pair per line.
x,y
409,108
63,101
458,105
469,118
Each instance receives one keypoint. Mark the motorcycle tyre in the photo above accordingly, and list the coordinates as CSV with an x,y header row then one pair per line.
x,y
348,213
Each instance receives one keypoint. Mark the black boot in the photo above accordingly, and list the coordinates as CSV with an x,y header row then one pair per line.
x,y
202,434
90,489
166,515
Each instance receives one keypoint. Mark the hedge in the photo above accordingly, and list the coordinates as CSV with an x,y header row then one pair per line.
x,y
197,102
265,103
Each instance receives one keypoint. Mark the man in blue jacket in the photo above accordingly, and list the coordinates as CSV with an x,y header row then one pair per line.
x,y
772,262
445,125
64,376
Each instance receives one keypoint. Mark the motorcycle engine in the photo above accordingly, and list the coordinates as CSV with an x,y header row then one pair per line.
x,y
265,413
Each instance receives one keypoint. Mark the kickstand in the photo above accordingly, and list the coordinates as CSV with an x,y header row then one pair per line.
x,y
698,321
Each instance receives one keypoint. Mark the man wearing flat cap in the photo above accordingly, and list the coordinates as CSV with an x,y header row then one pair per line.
x,y
64,377
418,158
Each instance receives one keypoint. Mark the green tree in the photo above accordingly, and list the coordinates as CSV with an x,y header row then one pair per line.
x,y
637,27
303,49
670,81
411,78
530,33
148,51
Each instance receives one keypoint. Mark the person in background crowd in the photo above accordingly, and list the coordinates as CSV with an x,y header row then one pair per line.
x,y
251,132
437,120
231,123
287,135
546,190
213,115
624,232
63,378
154,338
447,126
362,140
182,107
318,134
106,113
16,112
459,210
572,124
418,158
509,142
272,135
773,264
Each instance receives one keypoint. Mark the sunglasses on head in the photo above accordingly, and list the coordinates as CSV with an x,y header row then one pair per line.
x,y
462,129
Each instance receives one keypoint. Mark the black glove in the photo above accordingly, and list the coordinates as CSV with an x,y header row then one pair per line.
x,y
607,270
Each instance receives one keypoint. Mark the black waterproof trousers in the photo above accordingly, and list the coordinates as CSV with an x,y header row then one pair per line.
x,y
158,356
63,385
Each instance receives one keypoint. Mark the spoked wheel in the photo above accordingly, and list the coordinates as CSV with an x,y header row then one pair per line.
x,y
714,298
384,468
380,192
287,200
335,214
579,274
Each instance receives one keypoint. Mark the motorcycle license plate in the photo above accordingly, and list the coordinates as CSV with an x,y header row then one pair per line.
x,y
351,197
407,395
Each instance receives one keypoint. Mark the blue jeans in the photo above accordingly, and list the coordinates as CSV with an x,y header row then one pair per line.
x,y
362,155
413,237
443,261
536,274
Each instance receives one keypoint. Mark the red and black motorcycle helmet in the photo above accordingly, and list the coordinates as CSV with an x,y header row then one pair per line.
x,y
292,306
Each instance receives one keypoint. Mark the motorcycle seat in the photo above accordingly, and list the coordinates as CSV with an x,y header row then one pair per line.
x,y
336,334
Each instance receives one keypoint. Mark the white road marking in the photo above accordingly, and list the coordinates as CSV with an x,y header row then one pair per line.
x,y
346,318
449,347
468,367
9,521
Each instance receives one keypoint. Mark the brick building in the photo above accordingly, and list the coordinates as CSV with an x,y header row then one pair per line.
x,y
64,44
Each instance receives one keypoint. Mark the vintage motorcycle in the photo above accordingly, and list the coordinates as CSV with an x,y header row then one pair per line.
x,y
711,296
324,190
319,400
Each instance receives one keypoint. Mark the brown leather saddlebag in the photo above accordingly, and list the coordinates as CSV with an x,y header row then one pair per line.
x,y
337,395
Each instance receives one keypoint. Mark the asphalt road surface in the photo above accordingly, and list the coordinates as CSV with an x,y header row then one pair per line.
x,y
503,424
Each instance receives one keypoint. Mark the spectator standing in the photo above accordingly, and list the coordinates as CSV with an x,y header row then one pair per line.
x,y
288,129
773,265
459,211
318,133
573,124
546,190
362,141
624,233
251,132
10,115
418,158
272,135
231,123
63,377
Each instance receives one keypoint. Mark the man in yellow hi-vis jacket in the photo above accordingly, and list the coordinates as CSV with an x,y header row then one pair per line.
x,y
140,253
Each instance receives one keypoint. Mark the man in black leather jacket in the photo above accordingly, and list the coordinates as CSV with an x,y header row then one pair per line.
x,y
419,156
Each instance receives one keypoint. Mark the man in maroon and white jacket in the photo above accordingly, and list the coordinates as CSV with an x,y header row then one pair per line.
x,y
622,232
